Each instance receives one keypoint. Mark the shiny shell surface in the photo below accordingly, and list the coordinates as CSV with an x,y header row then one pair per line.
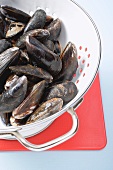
x,y
31,102
46,109
29,70
40,34
43,56
7,57
55,29
12,97
66,91
37,21
69,63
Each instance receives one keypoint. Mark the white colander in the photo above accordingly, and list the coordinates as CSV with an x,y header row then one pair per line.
x,y
79,28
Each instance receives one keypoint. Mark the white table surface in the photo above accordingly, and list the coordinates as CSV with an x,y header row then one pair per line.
x,y
102,13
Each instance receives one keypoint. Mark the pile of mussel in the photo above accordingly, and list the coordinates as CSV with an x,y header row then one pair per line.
x,y
35,73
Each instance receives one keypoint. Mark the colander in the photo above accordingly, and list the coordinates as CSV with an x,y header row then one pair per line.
x,y
79,28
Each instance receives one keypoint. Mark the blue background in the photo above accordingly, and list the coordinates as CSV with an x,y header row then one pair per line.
x,y
102,13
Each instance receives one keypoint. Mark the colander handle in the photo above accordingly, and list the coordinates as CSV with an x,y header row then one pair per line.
x,y
50,144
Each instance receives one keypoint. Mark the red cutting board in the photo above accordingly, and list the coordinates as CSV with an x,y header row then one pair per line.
x,y
91,134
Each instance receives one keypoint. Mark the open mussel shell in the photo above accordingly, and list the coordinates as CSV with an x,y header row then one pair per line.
x,y
31,102
55,29
14,14
11,98
4,45
37,20
46,109
14,28
33,72
7,57
40,34
44,57
66,91
69,63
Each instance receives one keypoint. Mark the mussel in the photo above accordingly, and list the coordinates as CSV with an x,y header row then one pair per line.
x,y
46,109
14,14
66,91
45,58
4,45
37,21
11,98
32,72
31,102
7,57
14,28
40,34
69,63
55,29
